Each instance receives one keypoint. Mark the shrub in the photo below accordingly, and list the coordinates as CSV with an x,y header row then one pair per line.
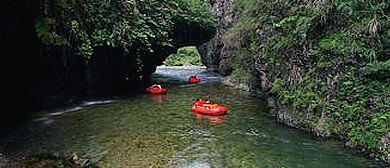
x,y
184,56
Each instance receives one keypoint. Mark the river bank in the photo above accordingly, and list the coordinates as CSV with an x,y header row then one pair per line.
x,y
288,117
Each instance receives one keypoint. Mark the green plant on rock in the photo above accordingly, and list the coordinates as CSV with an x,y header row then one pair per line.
x,y
364,127
340,48
85,49
47,35
277,85
377,70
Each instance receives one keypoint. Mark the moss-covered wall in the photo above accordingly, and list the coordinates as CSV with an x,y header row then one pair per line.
x,y
326,62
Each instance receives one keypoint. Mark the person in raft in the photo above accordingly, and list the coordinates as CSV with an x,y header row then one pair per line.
x,y
194,76
155,86
200,102
207,104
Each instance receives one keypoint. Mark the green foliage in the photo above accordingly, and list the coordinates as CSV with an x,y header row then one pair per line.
x,y
324,64
184,56
330,39
188,51
84,48
370,131
354,9
118,23
342,44
238,74
199,11
48,36
290,20
377,70
283,43
277,85
362,126
297,25
175,60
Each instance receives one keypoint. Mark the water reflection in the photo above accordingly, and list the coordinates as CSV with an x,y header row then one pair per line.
x,y
209,119
194,87
159,100
158,96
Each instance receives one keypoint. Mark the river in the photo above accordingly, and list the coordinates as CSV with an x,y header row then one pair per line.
x,y
160,130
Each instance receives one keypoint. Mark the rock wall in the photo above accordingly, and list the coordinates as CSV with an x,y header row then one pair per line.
x,y
17,48
291,66
216,52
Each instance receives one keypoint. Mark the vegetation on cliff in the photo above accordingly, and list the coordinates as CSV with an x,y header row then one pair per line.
x,y
327,59
86,24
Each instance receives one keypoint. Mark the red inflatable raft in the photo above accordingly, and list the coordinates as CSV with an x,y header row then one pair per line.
x,y
194,80
210,109
158,90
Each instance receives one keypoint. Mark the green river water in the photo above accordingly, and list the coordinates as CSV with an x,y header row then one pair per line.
x,y
161,131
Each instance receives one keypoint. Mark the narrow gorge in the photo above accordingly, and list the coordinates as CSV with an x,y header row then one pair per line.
x,y
321,65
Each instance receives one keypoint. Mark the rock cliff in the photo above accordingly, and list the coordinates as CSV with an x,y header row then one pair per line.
x,y
321,70
217,51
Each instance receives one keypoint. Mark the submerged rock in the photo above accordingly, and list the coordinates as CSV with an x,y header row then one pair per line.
x,y
48,160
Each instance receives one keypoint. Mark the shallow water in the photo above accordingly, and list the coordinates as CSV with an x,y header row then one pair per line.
x,y
160,130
